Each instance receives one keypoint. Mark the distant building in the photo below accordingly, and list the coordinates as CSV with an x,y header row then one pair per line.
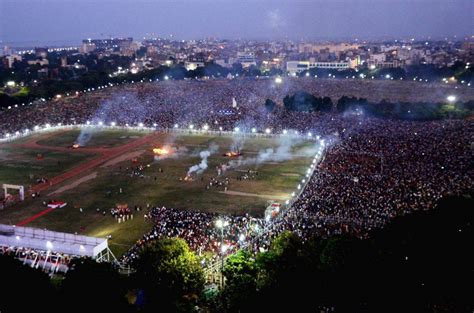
x,y
7,50
377,58
296,67
41,52
387,64
109,44
43,72
12,58
192,65
151,51
41,62
330,47
87,47
246,59
64,61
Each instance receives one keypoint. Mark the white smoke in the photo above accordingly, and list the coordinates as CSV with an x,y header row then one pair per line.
x,y
283,152
202,166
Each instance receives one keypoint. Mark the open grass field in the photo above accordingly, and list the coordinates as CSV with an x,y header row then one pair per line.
x,y
119,167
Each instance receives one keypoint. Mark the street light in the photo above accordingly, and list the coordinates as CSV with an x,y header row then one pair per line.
x,y
221,224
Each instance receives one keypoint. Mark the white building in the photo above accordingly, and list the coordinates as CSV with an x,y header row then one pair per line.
x,y
295,67
11,59
246,59
192,65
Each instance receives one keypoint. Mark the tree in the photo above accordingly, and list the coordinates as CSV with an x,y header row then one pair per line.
x,y
23,288
240,272
170,274
89,284
270,105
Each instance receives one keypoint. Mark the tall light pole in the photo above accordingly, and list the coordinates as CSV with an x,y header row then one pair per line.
x,y
221,224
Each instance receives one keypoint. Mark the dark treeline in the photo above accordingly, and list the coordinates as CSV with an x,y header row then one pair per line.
x,y
419,263
304,102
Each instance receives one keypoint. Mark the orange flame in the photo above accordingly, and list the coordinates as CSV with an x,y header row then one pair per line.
x,y
160,151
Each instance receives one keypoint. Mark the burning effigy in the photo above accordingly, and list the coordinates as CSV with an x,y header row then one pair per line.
x,y
232,154
161,151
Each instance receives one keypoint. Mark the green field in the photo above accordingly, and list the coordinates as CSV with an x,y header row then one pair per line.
x,y
108,138
275,180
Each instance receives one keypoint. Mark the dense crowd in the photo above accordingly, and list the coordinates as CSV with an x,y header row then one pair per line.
x,y
382,170
373,169
201,230
222,103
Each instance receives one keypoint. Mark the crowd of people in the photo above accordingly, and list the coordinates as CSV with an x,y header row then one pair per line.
x,y
372,171
166,104
201,230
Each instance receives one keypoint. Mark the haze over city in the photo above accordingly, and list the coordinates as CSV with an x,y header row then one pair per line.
x,y
68,21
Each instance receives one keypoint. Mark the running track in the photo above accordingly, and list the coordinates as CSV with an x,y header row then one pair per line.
x,y
106,154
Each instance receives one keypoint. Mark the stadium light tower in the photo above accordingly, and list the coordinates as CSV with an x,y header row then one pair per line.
x,y
278,80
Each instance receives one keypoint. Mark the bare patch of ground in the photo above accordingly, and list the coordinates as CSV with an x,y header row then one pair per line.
x,y
123,157
74,184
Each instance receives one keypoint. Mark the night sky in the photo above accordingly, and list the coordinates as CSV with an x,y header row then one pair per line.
x,y
68,21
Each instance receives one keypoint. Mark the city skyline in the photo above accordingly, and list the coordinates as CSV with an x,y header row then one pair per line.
x,y
189,19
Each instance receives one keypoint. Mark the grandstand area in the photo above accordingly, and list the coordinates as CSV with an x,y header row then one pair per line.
x,y
110,181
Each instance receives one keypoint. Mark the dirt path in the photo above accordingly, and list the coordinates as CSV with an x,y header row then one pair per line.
x,y
74,184
291,174
246,194
123,157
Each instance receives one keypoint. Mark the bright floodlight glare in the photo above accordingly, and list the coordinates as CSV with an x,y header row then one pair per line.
x,y
219,223
140,124
191,126
236,129
451,98
100,123
307,74
11,83
176,125
206,127
254,130
278,80
112,124
166,77
267,131
49,245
